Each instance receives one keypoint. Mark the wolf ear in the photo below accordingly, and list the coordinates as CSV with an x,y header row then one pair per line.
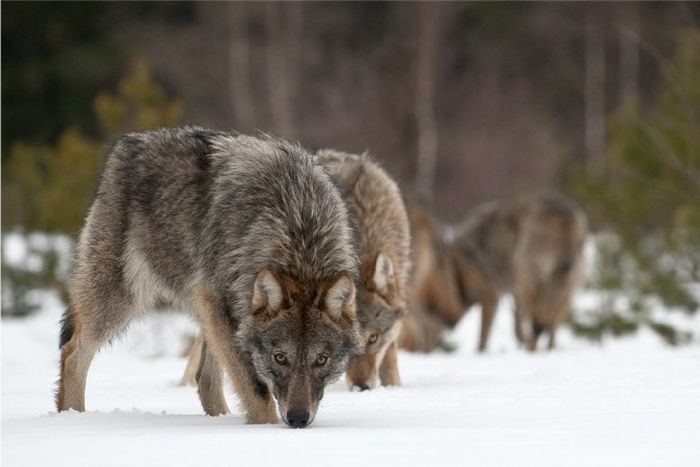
x,y
340,298
383,276
267,292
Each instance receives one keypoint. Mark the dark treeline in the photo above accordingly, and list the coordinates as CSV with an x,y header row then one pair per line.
x,y
487,98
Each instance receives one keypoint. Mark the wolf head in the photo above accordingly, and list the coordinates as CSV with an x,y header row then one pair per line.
x,y
300,339
380,310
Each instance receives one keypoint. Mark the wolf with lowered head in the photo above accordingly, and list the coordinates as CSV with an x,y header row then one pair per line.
x,y
249,233
382,235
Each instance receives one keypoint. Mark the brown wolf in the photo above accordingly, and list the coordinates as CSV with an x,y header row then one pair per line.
x,y
249,233
435,303
378,217
530,247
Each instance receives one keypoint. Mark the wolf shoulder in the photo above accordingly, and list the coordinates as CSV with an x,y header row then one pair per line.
x,y
374,201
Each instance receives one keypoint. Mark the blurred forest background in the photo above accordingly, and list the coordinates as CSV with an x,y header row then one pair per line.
x,y
462,103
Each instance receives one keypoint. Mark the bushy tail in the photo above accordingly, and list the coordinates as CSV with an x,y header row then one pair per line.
x,y
67,328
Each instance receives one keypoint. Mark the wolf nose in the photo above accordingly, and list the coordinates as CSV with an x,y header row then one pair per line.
x,y
297,418
361,386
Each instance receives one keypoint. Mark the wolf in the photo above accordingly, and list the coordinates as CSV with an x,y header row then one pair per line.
x,y
434,302
531,247
247,232
381,229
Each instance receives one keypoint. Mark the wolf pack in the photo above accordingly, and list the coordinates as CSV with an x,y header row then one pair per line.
x,y
300,266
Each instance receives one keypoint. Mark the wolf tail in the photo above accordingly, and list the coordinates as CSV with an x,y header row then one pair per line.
x,y
67,328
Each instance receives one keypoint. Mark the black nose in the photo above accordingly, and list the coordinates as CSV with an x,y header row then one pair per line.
x,y
361,386
297,418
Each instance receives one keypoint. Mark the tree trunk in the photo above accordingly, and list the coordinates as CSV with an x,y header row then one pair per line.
x,y
243,110
426,121
594,86
629,55
293,43
282,62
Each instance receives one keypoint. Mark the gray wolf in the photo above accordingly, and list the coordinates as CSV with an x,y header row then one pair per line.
x,y
247,232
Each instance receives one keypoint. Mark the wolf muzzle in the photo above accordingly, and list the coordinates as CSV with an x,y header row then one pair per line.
x,y
297,418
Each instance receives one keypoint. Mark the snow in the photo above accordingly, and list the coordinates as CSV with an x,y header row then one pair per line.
x,y
25,250
631,401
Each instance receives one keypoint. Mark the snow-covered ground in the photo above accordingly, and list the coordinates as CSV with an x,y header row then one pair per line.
x,y
632,401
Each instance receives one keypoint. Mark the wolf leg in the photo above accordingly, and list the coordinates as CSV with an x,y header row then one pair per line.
x,y
563,312
537,330
552,338
389,369
488,311
193,358
519,321
76,356
83,333
210,381
254,395
562,309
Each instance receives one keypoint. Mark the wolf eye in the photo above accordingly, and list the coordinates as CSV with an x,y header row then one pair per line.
x,y
280,359
373,338
321,360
